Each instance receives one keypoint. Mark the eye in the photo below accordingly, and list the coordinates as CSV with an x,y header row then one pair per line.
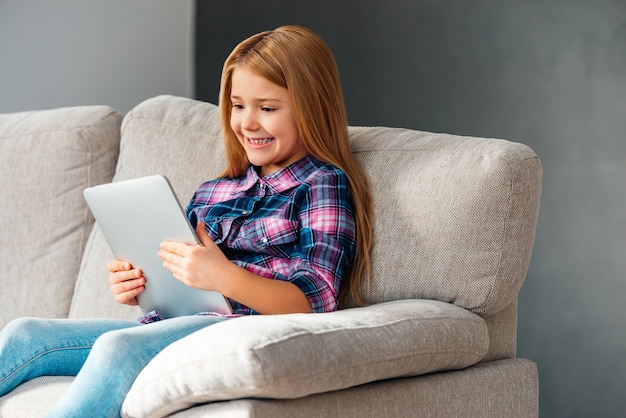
x,y
267,109
237,106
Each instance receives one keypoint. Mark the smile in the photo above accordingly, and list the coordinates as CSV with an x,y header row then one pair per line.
x,y
260,141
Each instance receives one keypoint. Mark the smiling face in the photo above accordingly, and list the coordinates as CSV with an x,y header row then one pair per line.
x,y
262,118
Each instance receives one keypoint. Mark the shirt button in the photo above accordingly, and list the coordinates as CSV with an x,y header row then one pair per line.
x,y
244,212
264,240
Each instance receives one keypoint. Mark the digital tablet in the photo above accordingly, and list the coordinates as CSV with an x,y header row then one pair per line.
x,y
135,216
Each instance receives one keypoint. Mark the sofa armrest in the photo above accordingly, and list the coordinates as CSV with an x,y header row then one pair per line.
x,y
47,158
290,356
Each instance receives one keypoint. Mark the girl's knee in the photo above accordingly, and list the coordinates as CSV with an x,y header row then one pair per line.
x,y
24,328
24,323
119,354
113,345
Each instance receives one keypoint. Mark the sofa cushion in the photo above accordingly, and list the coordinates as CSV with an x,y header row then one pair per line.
x,y
174,136
34,398
291,356
455,216
497,389
47,158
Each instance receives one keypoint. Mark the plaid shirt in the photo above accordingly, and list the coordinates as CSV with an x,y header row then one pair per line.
x,y
295,225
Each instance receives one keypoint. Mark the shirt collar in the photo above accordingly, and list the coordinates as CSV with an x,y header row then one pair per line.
x,y
283,179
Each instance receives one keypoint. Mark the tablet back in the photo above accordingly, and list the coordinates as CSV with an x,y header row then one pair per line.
x,y
135,216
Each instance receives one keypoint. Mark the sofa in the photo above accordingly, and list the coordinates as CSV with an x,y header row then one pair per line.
x,y
454,232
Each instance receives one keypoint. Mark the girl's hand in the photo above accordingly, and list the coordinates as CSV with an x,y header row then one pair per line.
x,y
195,265
126,282
205,266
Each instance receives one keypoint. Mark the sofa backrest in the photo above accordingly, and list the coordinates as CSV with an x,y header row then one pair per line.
x,y
47,158
455,216
174,136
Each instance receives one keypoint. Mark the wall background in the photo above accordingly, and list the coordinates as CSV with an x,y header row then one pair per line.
x,y
549,74
57,53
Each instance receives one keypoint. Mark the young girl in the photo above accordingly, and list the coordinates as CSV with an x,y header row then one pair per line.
x,y
288,220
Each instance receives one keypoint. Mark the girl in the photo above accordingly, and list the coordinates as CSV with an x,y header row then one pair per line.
x,y
288,220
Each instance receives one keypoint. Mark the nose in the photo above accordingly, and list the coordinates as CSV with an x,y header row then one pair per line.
x,y
249,121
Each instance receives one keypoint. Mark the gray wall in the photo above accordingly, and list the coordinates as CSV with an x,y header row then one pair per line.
x,y
550,74
81,52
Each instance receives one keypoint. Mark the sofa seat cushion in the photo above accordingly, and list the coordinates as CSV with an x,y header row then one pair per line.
x,y
496,389
35,397
291,356
47,158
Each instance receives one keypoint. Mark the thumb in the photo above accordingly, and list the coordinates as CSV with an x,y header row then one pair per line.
x,y
203,235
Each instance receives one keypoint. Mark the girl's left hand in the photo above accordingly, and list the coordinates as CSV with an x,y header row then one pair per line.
x,y
195,265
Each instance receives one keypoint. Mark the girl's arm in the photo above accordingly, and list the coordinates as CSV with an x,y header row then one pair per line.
x,y
206,267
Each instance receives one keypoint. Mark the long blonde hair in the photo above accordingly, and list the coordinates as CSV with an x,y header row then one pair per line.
x,y
297,59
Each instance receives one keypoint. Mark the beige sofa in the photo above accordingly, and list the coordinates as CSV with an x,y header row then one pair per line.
x,y
455,224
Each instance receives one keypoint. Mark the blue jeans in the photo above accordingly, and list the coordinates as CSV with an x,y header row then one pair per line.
x,y
105,356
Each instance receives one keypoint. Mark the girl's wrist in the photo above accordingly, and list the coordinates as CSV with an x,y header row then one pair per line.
x,y
226,279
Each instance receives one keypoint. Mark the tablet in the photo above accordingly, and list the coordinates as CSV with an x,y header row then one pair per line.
x,y
135,216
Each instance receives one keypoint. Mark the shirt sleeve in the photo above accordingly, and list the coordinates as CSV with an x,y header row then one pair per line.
x,y
327,239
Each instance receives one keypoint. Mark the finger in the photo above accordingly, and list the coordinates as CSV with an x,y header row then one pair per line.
x,y
128,285
122,276
170,258
118,265
174,247
176,269
203,235
179,277
129,297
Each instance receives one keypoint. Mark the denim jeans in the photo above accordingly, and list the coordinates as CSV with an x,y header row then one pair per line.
x,y
105,356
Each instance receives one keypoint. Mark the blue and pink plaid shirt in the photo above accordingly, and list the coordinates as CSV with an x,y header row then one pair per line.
x,y
296,225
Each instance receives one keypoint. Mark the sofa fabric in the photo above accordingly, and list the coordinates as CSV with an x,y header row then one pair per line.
x,y
34,398
176,137
47,158
437,395
505,388
461,205
453,235
340,350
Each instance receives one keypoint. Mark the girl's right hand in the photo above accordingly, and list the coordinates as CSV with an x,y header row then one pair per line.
x,y
126,282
